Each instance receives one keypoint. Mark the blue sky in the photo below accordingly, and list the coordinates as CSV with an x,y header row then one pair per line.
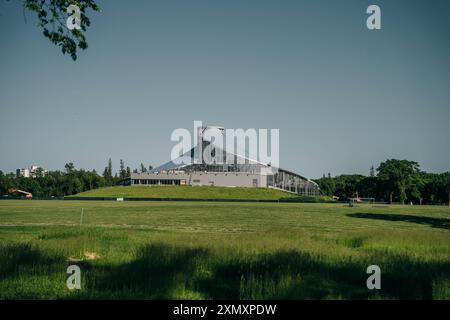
x,y
343,97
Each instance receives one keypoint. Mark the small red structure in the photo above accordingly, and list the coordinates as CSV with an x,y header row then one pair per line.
x,y
27,195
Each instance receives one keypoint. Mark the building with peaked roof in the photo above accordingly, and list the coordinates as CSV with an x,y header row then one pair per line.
x,y
238,171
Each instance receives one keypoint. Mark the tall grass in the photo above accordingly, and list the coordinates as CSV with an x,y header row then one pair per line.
x,y
243,251
161,271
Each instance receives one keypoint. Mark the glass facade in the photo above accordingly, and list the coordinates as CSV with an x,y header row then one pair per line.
x,y
247,168
294,183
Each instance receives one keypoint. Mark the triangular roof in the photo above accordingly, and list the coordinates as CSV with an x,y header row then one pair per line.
x,y
189,158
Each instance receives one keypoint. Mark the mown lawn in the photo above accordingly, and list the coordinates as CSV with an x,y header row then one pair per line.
x,y
215,250
190,192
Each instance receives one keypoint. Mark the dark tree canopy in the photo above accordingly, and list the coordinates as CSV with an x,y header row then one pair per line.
x,y
52,16
396,181
398,175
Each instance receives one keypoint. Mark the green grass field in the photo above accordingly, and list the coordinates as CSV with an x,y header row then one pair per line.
x,y
215,250
189,192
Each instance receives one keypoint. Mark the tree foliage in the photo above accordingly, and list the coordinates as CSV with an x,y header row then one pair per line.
x,y
398,176
107,174
396,181
61,183
52,16
53,183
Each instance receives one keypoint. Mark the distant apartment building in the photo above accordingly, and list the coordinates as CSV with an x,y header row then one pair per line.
x,y
30,172
23,172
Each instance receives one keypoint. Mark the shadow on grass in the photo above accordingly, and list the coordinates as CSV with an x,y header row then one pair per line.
x,y
157,272
28,259
160,271
169,272
442,223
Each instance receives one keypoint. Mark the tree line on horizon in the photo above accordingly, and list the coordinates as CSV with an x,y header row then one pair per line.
x,y
67,182
393,181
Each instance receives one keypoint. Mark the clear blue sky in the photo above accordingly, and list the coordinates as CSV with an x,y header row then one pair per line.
x,y
343,97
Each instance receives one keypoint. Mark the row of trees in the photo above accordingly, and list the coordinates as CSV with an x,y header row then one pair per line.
x,y
394,181
53,183
67,182
123,173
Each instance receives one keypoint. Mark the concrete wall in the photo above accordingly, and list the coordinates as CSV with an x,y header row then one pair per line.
x,y
221,179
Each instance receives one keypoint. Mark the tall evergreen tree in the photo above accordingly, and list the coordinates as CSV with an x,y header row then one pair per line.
x,y
110,168
122,171
372,171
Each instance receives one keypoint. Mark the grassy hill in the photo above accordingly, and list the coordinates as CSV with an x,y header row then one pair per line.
x,y
188,192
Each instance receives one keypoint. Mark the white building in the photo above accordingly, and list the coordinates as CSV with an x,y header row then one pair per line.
x,y
239,172
23,172
30,172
